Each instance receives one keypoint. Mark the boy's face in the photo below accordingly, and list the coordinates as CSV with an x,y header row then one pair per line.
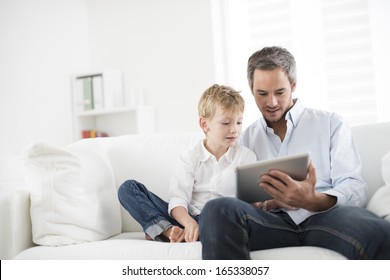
x,y
273,94
223,129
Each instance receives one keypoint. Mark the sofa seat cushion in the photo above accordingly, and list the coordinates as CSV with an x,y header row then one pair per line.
x,y
133,246
73,194
297,253
125,246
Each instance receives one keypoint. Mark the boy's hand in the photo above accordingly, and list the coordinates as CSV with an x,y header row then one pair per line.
x,y
191,231
191,227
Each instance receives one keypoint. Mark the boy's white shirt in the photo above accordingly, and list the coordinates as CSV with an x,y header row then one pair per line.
x,y
199,177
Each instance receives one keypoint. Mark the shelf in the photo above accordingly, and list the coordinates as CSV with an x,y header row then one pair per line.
x,y
99,105
116,121
99,112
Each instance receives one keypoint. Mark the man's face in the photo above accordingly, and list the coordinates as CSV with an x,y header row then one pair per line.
x,y
273,94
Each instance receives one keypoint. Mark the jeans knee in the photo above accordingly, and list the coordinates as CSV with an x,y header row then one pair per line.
x,y
125,188
216,206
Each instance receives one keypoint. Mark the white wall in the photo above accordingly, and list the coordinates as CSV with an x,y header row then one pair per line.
x,y
42,42
164,49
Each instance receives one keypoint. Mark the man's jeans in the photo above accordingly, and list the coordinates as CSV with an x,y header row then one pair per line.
x,y
149,210
230,229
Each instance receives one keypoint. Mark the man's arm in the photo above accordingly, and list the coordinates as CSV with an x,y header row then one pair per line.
x,y
345,173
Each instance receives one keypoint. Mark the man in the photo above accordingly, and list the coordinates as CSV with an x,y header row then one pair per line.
x,y
325,210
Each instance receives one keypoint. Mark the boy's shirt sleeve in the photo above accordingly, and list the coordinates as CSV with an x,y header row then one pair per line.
x,y
182,183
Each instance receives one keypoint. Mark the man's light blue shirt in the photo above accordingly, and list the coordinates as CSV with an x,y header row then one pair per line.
x,y
332,150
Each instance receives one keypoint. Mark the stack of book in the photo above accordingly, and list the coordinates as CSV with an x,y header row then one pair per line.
x,y
92,134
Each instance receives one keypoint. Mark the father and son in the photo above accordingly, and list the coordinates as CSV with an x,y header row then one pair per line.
x,y
324,210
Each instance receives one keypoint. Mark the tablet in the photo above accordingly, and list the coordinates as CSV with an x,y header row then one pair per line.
x,y
248,175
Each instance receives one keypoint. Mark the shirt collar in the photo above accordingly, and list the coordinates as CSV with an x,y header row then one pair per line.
x,y
205,154
295,113
230,154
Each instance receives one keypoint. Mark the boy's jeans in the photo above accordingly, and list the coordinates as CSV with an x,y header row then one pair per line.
x,y
149,210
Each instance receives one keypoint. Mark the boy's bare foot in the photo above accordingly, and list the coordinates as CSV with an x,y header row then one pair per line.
x,y
147,237
176,234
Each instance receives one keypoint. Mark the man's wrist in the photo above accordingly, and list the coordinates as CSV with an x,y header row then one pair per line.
x,y
322,202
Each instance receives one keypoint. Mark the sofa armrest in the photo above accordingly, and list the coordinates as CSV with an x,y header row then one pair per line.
x,y
15,221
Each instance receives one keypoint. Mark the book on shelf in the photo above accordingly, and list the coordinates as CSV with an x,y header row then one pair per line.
x,y
102,90
92,92
97,91
92,134
87,93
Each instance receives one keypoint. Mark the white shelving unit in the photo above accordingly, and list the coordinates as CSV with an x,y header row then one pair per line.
x,y
100,112
110,115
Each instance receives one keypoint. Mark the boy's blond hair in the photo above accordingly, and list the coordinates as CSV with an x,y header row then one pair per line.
x,y
226,97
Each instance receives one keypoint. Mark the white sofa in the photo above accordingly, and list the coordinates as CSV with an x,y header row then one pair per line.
x,y
68,202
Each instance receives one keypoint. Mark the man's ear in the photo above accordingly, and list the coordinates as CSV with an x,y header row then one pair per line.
x,y
293,86
203,124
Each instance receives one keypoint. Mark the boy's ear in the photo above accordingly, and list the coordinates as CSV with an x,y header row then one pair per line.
x,y
203,124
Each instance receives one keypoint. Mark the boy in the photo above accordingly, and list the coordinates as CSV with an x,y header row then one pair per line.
x,y
204,172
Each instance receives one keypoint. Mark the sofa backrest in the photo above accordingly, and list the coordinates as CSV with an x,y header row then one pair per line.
x,y
372,142
150,159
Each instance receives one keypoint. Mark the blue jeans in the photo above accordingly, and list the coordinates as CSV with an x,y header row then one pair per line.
x,y
149,210
230,228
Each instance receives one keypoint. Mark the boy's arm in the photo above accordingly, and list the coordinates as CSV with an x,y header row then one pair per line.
x,y
191,228
181,183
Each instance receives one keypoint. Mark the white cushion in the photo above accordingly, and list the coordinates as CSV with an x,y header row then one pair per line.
x,y
73,195
386,168
380,201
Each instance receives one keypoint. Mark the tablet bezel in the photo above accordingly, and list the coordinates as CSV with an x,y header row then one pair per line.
x,y
248,175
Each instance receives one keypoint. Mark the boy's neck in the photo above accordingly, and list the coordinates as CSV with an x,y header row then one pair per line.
x,y
217,152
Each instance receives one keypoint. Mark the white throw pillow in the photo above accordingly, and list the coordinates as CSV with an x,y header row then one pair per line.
x,y
380,201
73,194
386,168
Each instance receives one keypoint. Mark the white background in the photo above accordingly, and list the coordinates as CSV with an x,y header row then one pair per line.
x,y
163,48
168,51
